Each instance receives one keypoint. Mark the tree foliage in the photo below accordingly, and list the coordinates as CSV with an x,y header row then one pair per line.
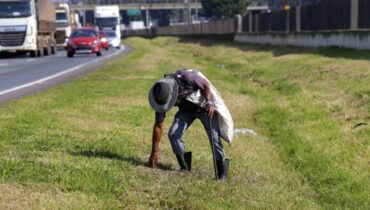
x,y
223,8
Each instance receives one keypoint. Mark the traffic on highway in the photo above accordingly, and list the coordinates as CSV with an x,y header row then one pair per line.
x,y
21,75
43,43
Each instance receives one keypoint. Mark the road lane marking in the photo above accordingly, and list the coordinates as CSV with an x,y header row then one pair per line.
x,y
42,80
3,64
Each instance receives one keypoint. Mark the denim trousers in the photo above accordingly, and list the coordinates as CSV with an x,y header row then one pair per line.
x,y
182,122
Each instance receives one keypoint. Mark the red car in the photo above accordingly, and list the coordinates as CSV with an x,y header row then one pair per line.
x,y
84,40
104,40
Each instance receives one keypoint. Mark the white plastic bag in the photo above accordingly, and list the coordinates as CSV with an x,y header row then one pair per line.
x,y
225,120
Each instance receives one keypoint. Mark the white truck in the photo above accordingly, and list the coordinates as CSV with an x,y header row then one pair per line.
x,y
27,26
66,21
107,18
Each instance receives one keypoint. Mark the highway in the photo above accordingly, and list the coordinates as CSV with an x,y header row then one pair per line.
x,y
21,75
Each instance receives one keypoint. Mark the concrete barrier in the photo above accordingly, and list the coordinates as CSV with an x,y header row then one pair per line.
x,y
350,39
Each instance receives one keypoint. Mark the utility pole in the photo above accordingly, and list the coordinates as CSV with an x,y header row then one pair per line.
x,y
187,12
354,14
287,21
298,16
82,13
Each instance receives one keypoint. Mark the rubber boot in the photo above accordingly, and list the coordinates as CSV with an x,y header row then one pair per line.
x,y
222,169
182,162
187,157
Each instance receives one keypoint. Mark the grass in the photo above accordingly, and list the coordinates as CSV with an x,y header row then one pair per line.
x,y
85,144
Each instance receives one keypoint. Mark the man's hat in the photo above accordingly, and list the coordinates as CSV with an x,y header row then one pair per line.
x,y
163,95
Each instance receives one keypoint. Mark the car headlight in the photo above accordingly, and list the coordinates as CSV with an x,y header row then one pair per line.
x,y
103,39
95,43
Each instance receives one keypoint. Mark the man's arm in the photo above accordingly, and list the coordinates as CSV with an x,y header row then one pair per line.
x,y
207,94
156,138
203,84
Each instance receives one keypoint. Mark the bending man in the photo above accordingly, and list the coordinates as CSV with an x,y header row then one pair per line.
x,y
191,92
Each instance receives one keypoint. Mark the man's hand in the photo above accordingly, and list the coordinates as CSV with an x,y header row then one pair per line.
x,y
153,160
157,133
210,110
207,93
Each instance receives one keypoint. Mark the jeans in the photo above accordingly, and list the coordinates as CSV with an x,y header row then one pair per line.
x,y
182,122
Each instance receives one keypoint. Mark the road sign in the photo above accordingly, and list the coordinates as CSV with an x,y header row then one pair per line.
x,y
133,12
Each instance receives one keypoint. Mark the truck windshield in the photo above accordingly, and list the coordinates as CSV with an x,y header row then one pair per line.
x,y
61,16
106,22
13,9
61,19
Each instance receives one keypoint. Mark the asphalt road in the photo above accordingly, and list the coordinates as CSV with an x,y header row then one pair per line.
x,y
21,75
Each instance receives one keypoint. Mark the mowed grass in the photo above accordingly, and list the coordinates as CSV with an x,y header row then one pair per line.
x,y
85,144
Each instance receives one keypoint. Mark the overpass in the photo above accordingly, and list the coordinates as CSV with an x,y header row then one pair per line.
x,y
88,5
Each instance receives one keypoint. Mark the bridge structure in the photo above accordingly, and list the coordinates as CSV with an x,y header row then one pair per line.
x,y
88,5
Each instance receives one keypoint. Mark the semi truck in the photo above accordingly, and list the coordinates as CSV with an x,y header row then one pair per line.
x,y
107,18
66,20
27,26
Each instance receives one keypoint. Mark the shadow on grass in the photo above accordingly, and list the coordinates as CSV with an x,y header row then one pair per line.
x,y
109,155
332,52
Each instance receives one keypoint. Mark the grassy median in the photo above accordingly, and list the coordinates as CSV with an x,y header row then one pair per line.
x,y
85,144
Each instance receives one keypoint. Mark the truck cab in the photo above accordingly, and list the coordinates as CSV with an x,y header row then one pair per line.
x,y
27,26
107,18
65,22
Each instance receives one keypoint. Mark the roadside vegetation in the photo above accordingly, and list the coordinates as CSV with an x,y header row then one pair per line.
x,y
85,144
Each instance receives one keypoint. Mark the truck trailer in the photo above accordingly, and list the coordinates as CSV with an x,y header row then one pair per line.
x,y
28,26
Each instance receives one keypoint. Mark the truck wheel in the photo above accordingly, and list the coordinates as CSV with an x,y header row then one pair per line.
x,y
98,53
70,54
53,49
47,50
40,52
33,54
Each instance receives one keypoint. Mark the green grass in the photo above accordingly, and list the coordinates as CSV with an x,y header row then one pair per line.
x,y
85,144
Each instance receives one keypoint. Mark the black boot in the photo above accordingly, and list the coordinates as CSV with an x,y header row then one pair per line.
x,y
187,157
184,161
222,169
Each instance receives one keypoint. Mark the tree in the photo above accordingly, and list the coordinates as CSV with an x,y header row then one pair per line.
x,y
223,8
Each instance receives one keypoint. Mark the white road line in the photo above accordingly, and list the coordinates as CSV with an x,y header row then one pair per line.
x,y
40,81
3,64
